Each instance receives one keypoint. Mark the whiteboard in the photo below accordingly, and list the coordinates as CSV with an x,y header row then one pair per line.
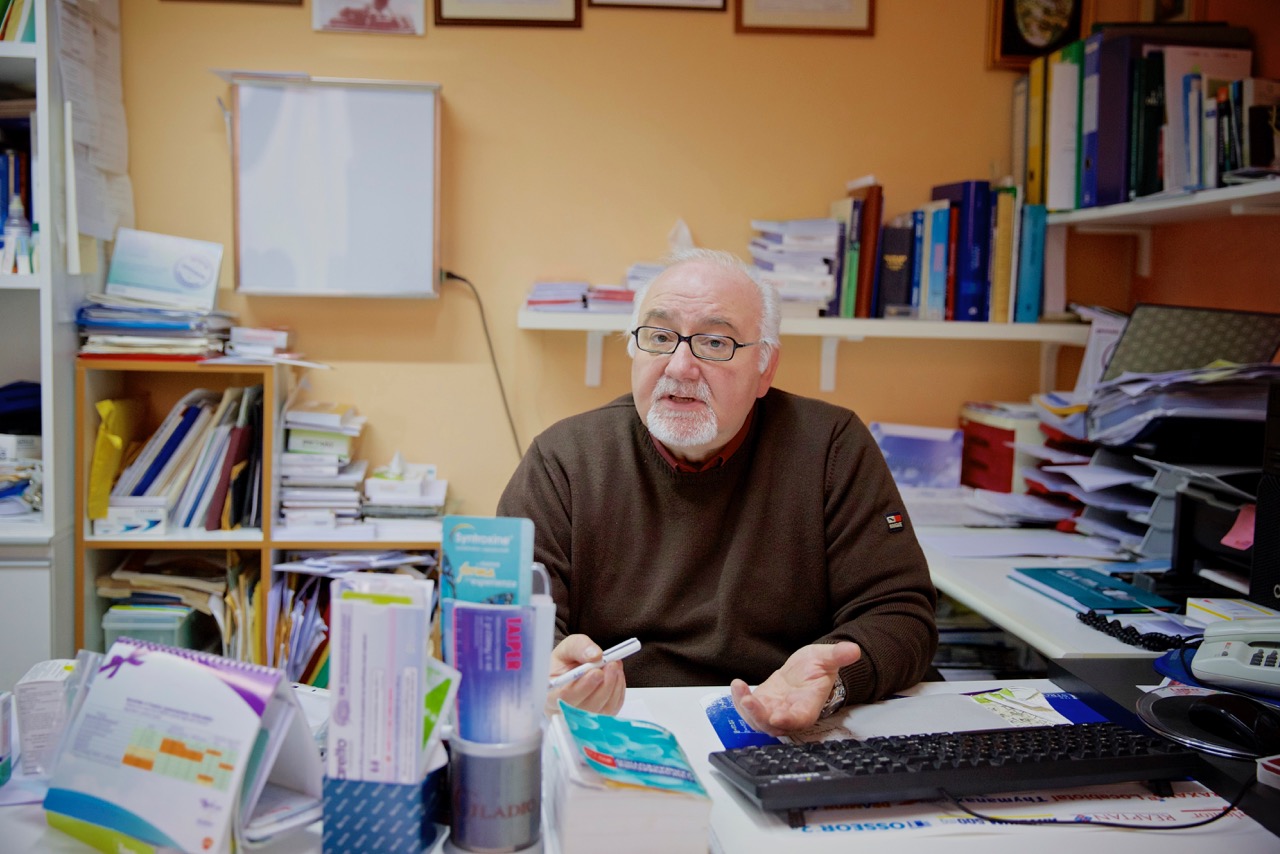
x,y
336,186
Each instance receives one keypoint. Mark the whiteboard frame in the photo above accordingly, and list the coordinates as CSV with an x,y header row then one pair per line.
x,y
248,279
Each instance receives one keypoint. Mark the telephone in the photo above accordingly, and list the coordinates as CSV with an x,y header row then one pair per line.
x,y
1241,654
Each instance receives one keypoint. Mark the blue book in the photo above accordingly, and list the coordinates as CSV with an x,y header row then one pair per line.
x,y
166,450
1028,302
1088,168
918,257
971,202
1083,589
935,307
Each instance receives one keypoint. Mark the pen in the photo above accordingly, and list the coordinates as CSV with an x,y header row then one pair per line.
x,y
613,653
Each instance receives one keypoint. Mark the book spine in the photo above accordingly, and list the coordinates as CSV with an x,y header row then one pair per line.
x,y
1036,74
869,250
938,252
894,286
1031,265
919,270
1115,93
1089,116
852,259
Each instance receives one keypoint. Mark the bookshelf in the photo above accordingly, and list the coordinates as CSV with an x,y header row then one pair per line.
x,y
38,343
160,384
832,331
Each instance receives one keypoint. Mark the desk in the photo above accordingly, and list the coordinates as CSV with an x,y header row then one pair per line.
x,y
739,827
1048,627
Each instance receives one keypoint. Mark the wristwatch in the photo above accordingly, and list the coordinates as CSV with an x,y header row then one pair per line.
x,y
835,701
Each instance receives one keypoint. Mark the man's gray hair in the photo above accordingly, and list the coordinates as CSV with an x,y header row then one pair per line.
x,y
770,313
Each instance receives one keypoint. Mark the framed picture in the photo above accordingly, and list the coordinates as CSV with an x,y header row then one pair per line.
x,y
1020,30
509,13
805,18
697,5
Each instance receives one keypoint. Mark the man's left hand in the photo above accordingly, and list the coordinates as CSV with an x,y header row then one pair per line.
x,y
792,698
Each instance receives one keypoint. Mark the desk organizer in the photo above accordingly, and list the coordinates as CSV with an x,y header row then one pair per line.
x,y
363,817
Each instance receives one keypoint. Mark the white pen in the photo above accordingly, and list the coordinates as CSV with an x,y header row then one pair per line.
x,y
613,653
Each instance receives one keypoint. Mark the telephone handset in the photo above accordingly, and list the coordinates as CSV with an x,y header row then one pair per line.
x,y
1243,655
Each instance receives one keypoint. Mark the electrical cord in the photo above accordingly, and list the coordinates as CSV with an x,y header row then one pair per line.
x,y
493,359
1085,822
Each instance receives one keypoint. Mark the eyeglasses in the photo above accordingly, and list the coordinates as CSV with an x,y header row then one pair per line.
x,y
713,348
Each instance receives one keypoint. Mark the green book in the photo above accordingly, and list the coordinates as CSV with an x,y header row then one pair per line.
x,y
1083,589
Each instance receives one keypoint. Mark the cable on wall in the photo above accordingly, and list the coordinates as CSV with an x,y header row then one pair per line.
x,y
493,359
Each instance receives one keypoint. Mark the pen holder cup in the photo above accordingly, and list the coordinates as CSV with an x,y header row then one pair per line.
x,y
363,817
495,791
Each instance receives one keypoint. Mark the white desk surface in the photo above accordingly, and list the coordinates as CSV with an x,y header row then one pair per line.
x,y
1050,628
739,827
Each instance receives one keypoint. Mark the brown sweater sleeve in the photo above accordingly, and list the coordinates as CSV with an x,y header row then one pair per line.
x,y
881,594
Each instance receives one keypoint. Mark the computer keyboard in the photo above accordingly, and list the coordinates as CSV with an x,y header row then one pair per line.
x,y
906,767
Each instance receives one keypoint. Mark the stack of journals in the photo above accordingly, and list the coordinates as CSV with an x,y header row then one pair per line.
x,y
800,258
119,328
321,481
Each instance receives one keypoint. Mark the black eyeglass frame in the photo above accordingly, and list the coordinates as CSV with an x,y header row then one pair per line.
x,y
688,339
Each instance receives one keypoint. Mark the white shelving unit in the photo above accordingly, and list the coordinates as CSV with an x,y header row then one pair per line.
x,y
38,342
833,330
1136,219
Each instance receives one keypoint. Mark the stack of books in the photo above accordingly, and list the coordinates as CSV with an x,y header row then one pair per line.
x,y
800,258
320,481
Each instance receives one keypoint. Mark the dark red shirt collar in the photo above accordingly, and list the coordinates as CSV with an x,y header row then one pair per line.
x,y
714,462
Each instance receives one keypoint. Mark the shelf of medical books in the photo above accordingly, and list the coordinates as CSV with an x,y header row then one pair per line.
x,y
833,330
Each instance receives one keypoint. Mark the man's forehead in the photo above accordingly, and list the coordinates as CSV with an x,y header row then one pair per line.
x,y
701,291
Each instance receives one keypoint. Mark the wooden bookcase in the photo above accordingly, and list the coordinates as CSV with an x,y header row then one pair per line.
x,y
160,384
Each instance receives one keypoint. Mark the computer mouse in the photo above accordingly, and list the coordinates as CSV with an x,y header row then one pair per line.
x,y
1239,720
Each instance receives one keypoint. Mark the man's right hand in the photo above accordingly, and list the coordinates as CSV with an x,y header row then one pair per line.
x,y
599,691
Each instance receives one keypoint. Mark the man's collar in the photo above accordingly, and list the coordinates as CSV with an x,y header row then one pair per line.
x,y
716,460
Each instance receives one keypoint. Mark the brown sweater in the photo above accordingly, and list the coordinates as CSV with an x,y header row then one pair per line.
x,y
725,573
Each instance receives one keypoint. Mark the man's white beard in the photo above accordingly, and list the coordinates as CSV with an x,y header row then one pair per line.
x,y
682,429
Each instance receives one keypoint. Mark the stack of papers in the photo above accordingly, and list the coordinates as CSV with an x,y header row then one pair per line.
x,y
1122,409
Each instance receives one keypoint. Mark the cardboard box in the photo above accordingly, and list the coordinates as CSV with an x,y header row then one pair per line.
x,y
40,698
132,521
361,816
990,429
15,447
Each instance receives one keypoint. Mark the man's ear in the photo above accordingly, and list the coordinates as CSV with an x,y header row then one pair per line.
x,y
766,378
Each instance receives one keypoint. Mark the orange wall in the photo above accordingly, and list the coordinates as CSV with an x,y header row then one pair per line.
x,y
572,153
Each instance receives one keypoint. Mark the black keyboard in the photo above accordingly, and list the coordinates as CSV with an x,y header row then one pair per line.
x,y
908,767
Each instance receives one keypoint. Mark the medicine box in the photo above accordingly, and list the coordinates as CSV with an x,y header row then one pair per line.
x,y
363,816
40,698
132,522
990,429
172,625
15,447
920,456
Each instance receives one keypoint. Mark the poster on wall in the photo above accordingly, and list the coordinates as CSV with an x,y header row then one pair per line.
x,y
401,17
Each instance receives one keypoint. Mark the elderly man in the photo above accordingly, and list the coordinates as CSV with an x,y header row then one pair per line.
x,y
740,532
